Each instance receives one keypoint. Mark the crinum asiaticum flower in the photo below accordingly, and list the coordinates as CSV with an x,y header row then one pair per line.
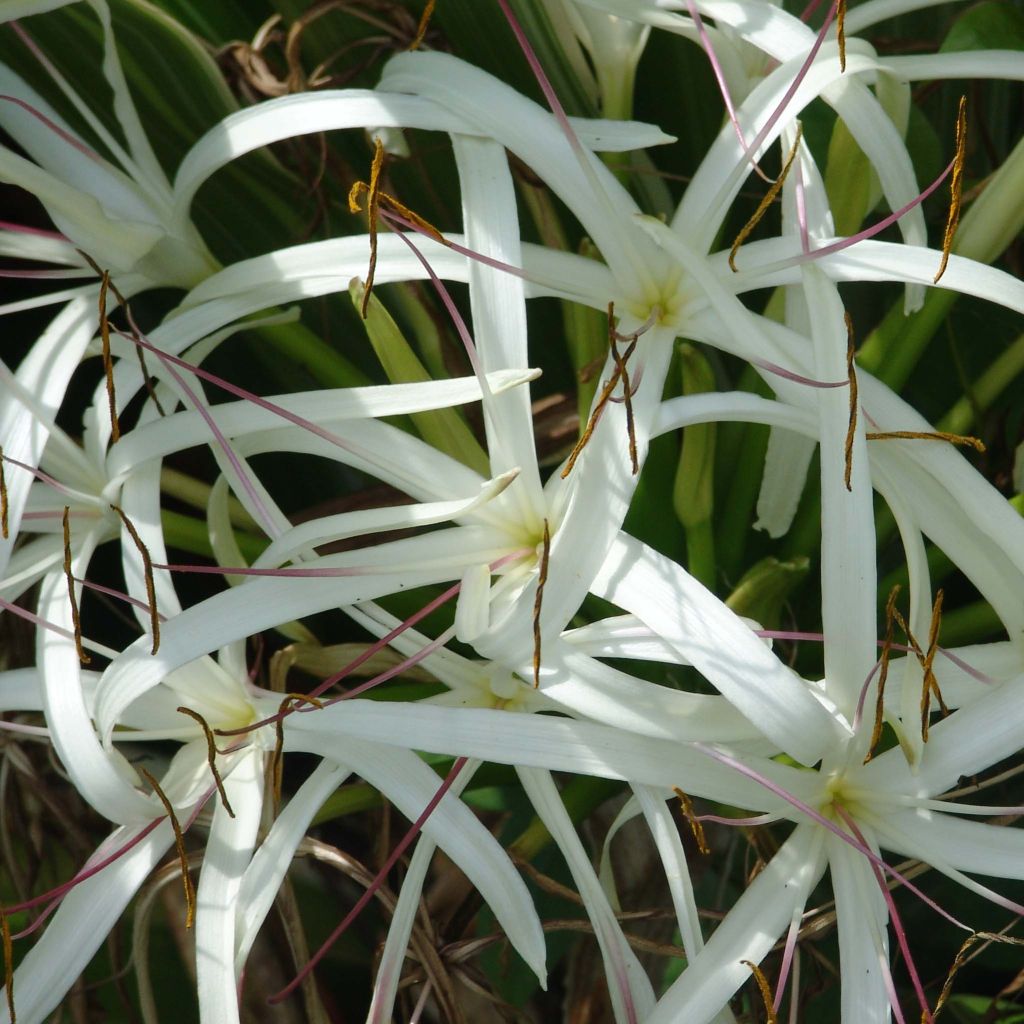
x,y
218,695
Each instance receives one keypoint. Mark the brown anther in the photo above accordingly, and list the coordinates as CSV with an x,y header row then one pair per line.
x,y
959,960
841,33
147,380
627,395
686,804
372,211
5,930
287,706
421,29
606,393
147,570
75,618
765,990
883,672
963,440
3,498
769,198
211,756
930,685
179,845
542,578
374,201
108,364
851,376
956,182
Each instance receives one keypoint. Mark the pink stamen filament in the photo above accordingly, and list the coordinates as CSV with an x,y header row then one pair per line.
x,y
868,232
814,815
24,229
723,88
56,895
370,651
120,595
545,85
894,917
787,960
55,128
371,890
794,85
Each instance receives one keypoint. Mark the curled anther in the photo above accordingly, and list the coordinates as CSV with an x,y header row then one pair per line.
x,y
4,530
76,619
376,200
769,198
930,685
765,989
956,182
179,845
371,191
421,28
542,578
211,756
5,931
147,571
605,396
108,285
961,958
686,805
962,440
851,376
841,33
883,674
288,705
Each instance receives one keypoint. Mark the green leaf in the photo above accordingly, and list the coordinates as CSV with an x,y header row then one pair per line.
x,y
986,26
445,429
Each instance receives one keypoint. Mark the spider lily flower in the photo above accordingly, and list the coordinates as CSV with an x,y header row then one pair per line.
x,y
787,50
218,696
116,206
119,208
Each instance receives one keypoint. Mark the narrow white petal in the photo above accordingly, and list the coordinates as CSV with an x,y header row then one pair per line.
x,y
80,925
748,932
557,744
722,647
861,918
269,864
228,853
630,989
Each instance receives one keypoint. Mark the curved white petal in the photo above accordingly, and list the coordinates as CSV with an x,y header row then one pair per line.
x,y
747,932
722,647
228,853
630,989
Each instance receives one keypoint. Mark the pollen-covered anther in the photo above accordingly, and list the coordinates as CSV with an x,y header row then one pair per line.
x,y
930,685
765,989
76,619
179,844
288,706
956,182
375,200
961,440
769,198
147,569
4,532
890,615
620,373
542,578
686,805
211,756
851,376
